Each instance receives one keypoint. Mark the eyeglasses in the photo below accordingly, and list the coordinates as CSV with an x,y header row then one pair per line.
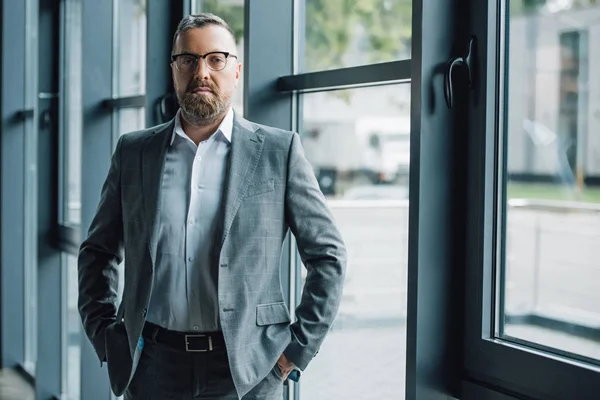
x,y
215,61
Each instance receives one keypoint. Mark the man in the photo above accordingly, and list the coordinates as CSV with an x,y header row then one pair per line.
x,y
200,207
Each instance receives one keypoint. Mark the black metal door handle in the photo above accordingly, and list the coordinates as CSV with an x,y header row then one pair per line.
x,y
25,114
467,62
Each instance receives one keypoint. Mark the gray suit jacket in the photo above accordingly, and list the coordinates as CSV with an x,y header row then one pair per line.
x,y
270,188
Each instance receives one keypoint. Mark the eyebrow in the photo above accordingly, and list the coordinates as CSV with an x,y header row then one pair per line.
x,y
197,54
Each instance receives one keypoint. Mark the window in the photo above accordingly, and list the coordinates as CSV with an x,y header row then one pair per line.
x,y
131,119
71,330
551,216
71,120
70,128
533,212
347,34
130,62
357,141
130,57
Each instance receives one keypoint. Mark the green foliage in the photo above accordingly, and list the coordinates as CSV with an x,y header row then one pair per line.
x,y
382,28
232,14
584,3
332,26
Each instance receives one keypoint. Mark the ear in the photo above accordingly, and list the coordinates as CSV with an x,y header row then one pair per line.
x,y
238,73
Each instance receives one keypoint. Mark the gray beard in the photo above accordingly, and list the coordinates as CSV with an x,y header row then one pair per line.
x,y
200,110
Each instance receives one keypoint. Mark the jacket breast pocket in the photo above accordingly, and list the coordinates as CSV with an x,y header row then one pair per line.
x,y
273,313
262,187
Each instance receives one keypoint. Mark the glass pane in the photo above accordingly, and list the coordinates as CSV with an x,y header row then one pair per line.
x,y
30,167
71,328
131,119
232,11
341,34
71,123
552,213
131,47
358,142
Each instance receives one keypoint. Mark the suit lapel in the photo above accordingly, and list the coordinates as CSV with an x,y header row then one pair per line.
x,y
246,148
153,160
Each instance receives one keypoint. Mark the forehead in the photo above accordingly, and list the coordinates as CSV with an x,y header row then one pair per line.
x,y
204,40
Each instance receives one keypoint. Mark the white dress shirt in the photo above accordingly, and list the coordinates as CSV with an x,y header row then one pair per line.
x,y
184,295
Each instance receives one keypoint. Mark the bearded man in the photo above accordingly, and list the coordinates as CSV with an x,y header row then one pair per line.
x,y
198,208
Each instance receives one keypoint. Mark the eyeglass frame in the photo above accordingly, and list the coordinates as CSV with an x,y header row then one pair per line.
x,y
203,56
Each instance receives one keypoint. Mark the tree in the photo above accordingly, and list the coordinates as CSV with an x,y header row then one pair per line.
x,y
381,29
232,14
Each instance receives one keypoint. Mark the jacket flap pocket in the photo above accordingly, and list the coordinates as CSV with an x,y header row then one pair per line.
x,y
262,187
274,313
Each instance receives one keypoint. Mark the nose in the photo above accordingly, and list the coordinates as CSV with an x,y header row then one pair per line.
x,y
202,70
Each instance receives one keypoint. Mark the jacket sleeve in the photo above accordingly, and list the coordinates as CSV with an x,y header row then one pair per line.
x,y
323,253
99,256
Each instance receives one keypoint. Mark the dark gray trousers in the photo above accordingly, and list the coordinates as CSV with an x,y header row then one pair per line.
x,y
165,374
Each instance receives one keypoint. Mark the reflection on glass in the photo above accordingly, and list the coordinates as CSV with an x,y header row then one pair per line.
x,y
358,144
71,327
552,226
232,11
338,35
131,47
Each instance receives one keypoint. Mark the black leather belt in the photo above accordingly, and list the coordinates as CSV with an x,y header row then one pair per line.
x,y
180,341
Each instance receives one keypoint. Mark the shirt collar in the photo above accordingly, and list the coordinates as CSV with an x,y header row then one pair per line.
x,y
226,126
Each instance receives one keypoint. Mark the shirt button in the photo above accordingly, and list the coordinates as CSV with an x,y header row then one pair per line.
x,y
196,327
199,158
190,259
192,221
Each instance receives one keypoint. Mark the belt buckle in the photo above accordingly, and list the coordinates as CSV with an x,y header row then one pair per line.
x,y
187,344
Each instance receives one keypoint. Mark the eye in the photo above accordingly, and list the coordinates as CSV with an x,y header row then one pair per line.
x,y
186,60
216,59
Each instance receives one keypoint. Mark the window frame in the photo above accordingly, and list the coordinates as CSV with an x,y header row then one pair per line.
x,y
509,368
15,116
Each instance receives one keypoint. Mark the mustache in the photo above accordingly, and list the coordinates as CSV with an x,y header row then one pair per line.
x,y
197,84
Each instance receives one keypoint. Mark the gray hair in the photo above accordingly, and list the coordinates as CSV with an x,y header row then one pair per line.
x,y
200,21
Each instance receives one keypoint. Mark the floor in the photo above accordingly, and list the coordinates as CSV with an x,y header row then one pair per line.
x,y
14,387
